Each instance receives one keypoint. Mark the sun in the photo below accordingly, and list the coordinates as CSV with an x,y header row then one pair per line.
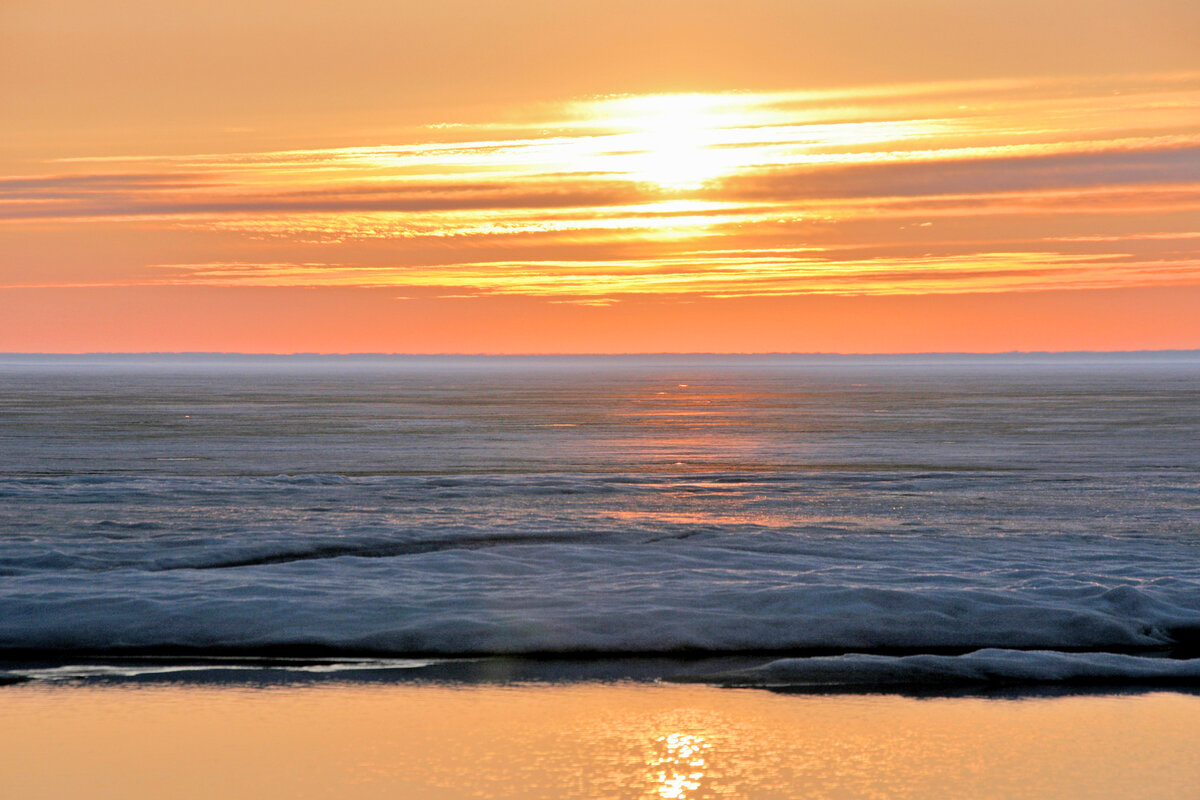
x,y
676,141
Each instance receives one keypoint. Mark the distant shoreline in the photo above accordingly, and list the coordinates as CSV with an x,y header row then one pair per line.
x,y
601,359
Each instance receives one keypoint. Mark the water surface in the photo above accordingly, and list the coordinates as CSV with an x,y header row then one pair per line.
x,y
440,507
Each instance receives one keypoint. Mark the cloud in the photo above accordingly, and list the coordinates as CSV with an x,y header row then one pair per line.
x,y
710,274
65,187
763,195
978,176
555,209
331,199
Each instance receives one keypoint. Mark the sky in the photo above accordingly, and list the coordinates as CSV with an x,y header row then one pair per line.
x,y
470,176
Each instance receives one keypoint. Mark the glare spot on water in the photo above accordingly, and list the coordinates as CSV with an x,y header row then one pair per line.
x,y
678,766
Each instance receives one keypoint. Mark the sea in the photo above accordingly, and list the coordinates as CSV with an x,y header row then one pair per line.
x,y
775,520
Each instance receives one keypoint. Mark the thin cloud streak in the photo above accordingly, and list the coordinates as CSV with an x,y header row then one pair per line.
x,y
706,275
732,170
906,175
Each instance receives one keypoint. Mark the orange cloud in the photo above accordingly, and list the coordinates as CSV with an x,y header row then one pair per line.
x,y
921,190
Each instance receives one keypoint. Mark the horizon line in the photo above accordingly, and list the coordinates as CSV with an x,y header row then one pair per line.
x,y
775,353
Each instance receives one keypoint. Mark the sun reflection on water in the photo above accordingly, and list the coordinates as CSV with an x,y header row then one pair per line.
x,y
678,766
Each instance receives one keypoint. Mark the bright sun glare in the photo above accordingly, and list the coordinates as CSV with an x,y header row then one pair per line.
x,y
671,140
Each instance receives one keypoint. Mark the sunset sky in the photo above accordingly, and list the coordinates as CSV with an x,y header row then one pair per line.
x,y
537,176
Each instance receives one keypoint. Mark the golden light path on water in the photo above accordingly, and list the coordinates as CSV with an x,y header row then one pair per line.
x,y
617,740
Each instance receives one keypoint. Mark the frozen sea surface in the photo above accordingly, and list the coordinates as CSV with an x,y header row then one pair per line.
x,y
436,507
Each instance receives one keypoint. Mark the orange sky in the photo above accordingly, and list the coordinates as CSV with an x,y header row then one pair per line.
x,y
472,176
